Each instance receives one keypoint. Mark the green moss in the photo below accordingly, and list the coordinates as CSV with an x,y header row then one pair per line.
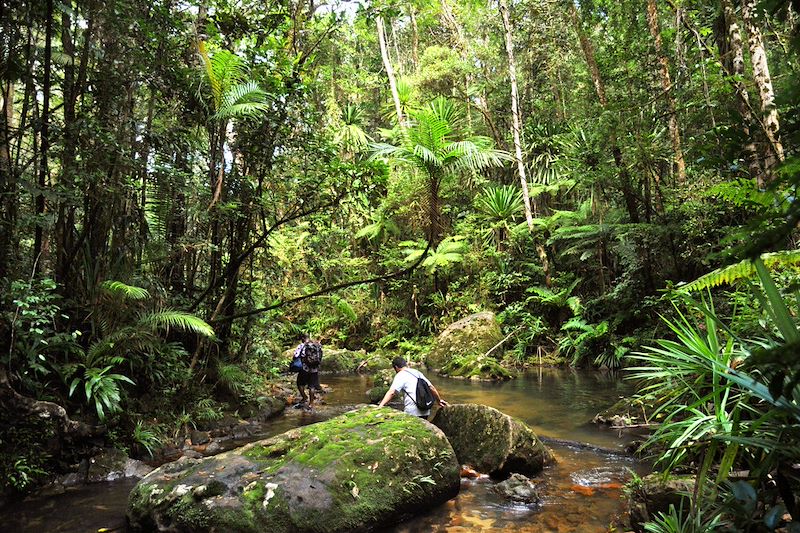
x,y
187,513
342,473
254,493
476,367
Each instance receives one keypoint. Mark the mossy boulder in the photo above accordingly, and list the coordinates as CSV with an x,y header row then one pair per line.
x,y
476,367
380,384
357,472
492,442
459,350
654,494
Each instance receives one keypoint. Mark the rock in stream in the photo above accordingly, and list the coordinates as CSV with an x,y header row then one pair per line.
x,y
357,472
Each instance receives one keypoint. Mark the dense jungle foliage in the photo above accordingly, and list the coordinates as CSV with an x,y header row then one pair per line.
x,y
187,186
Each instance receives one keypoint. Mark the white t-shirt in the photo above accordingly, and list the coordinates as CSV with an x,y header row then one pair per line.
x,y
405,381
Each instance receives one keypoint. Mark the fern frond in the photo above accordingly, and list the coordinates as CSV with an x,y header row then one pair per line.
x,y
345,309
742,270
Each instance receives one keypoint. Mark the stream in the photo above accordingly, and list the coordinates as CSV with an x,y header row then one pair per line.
x,y
581,492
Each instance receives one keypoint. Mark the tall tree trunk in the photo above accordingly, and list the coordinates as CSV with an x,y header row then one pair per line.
x,y
39,244
387,64
773,154
8,184
666,84
631,203
516,129
144,156
414,38
396,46
732,52
515,114
588,55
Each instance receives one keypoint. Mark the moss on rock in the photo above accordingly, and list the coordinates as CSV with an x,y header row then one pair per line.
x,y
492,442
476,367
460,349
361,470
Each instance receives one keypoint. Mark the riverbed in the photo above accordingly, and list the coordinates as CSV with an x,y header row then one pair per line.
x,y
581,492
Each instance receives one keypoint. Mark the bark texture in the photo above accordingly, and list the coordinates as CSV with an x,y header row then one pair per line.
x,y
773,154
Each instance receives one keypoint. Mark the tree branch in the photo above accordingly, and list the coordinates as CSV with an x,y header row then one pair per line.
x,y
327,290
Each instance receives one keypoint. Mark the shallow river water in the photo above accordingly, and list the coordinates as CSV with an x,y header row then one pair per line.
x,y
581,492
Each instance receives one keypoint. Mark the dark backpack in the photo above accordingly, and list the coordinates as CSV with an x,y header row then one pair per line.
x,y
296,365
424,395
312,354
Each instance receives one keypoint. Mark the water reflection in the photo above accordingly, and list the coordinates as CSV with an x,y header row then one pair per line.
x,y
580,493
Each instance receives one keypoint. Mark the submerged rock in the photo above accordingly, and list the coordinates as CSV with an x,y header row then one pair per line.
x,y
359,471
460,349
491,441
114,464
518,488
380,385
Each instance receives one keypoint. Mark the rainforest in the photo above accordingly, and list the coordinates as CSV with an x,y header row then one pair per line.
x,y
577,218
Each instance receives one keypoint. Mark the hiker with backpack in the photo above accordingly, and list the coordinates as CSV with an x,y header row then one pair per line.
x,y
306,362
420,394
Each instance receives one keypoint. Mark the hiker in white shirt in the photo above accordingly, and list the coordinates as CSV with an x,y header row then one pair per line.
x,y
405,380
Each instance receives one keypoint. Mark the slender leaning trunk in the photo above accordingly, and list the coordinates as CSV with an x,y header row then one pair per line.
x,y
594,71
516,129
387,64
515,114
666,85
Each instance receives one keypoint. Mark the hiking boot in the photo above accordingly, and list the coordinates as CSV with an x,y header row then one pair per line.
x,y
299,405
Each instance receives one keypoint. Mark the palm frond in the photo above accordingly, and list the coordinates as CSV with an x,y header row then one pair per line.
x,y
245,99
742,270
170,318
130,292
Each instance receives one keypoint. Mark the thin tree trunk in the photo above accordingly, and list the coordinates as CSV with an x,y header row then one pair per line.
x,y
398,59
758,56
735,58
666,84
144,155
588,54
39,243
387,64
8,185
516,129
515,114
451,21
414,38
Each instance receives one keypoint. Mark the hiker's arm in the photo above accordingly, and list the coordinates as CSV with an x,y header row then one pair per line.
x,y
387,397
438,396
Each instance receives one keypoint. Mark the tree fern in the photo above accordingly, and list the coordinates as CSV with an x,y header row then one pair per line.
x,y
742,270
